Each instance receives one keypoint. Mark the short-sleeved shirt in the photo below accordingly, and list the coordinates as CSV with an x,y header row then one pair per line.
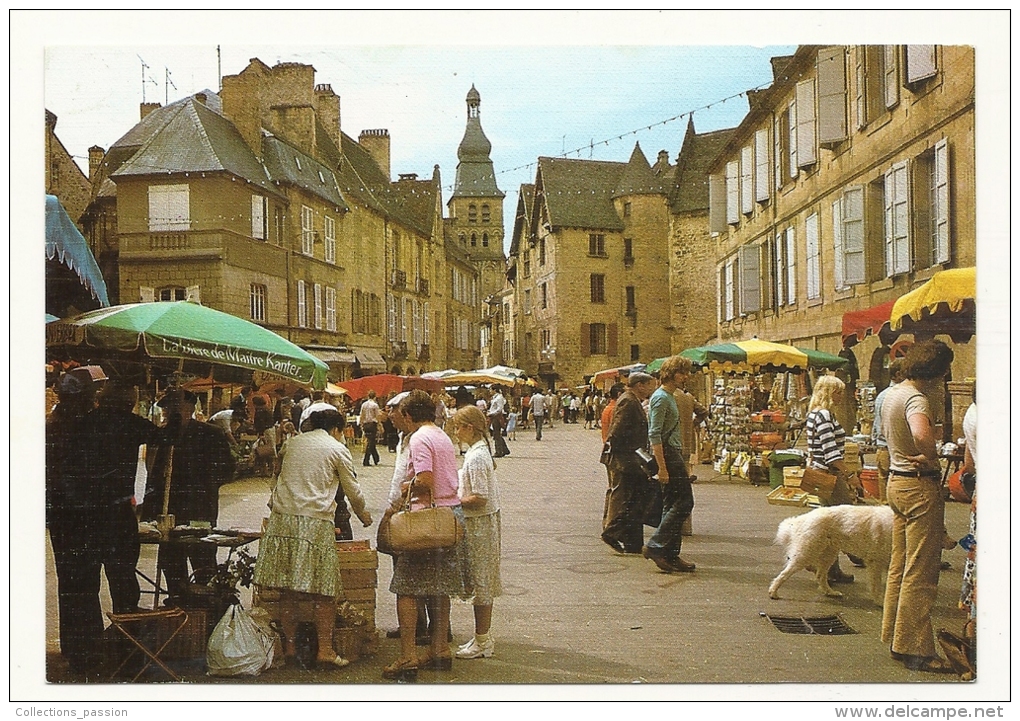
x,y
538,405
478,477
902,402
663,420
430,449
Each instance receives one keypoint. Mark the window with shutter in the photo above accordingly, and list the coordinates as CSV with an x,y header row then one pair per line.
x,y
330,240
733,192
861,85
940,204
897,221
427,321
317,294
791,143
257,302
920,63
807,131
838,258
405,318
812,257
585,339
750,278
852,236
761,165
307,230
832,95
302,306
746,179
416,322
258,217
720,295
169,208
778,149
391,318
331,309
717,203
791,266
767,273
728,291
891,68
779,271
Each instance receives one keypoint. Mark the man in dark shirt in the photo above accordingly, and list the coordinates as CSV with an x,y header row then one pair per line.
x,y
628,431
199,455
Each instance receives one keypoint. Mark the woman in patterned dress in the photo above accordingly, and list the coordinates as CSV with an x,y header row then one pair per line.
x,y
479,495
297,553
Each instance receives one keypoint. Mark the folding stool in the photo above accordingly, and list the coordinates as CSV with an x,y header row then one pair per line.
x,y
172,620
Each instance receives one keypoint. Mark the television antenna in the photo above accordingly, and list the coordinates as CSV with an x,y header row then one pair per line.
x,y
145,78
166,85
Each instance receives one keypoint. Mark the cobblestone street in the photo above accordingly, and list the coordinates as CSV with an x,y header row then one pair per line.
x,y
574,613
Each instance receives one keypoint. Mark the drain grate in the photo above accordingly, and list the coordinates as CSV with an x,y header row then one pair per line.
x,y
818,625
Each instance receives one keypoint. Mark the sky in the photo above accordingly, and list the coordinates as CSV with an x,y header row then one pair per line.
x,y
550,82
587,101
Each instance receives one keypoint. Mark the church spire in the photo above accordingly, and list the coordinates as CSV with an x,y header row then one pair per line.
x,y
475,175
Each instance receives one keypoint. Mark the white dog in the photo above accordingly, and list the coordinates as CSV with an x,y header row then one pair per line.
x,y
813,541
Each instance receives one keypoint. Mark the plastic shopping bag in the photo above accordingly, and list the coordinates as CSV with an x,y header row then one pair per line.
x,y
238,646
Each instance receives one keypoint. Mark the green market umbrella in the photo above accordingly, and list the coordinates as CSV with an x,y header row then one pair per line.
x,y
187,331
755,355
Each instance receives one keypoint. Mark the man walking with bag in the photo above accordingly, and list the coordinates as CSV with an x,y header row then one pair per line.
x,y
664,435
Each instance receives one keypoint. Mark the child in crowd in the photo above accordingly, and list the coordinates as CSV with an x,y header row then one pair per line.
x,y
511,423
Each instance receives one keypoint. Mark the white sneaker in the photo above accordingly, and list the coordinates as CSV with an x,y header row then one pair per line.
x,y
474,649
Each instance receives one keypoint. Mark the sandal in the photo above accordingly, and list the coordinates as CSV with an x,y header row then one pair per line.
x,y
932,664
335,662
436,663
401,670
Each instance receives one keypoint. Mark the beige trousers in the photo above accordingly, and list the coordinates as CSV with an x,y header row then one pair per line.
x,y
913,584
882,462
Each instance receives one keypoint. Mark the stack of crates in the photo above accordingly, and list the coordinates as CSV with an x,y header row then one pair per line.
x,y
358,575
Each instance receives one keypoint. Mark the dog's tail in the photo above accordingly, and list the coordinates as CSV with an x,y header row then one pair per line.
x,y
783,533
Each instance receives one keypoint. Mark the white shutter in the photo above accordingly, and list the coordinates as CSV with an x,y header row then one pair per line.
x,y
258,217
780,269
807,137
897,221
854,271
329,230
861,91
791,265
792,142
317,294
733,192
761,165
427,330
831,95
330,308
391,318
720,301
750,278
746,176
405,314
838,259
179,207
146,294
777,150
157,209
192,294
728,292
416,322
812,256
717,203
302,306
891,68
768,295
920,62
940,213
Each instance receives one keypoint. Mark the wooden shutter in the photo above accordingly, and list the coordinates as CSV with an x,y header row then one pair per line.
x,y
778,133
813,258
807,137
831,95
746,179
768,295
146,294
852,226
791,146
761,165
920,62
838,258
791,265
317,295
611,339
780,269
427,329
750,278
897,221
891,68
585,339
258,217
733,192
302,308
940,213
861,89
720,289
179,210
717,203
330,308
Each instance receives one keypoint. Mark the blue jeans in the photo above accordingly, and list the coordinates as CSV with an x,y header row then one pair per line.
x,y
677,504
538,426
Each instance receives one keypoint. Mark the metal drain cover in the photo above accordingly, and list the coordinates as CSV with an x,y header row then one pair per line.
x,y
817,625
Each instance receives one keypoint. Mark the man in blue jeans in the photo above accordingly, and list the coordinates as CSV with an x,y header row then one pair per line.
x,y
664,434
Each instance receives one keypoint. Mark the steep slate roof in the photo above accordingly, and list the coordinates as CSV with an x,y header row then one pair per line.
x,y
690,184
413,202
313,176
194,139
579,193
638,178
522,218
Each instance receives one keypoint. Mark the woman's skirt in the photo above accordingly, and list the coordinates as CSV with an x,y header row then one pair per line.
x,y
482,582
298,553
438,572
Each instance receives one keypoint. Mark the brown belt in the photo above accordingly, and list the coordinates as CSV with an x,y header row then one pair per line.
x,y
917,474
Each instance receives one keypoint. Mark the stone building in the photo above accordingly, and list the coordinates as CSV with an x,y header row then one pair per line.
x,y
64,178
590,268
849,182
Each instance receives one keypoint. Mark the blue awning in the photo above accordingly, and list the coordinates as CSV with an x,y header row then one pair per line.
x,y
67,245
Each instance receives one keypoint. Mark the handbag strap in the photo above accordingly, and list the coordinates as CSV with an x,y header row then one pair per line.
x,y
407,496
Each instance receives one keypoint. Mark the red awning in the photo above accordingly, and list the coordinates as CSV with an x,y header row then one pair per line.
x,y
386,383
859,324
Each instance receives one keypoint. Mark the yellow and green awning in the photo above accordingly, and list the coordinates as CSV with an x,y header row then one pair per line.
x,y
754,356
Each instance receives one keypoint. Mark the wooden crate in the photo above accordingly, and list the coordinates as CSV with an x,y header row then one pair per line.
x,y
792,476
359,595
358,577
356,555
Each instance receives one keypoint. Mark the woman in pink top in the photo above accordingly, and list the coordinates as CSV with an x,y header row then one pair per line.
x,y
433,575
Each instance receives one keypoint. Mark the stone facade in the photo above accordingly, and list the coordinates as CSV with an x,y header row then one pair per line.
x,y
850,182
64,178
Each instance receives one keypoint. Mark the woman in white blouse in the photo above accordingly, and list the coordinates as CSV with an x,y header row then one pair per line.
x,y
479,493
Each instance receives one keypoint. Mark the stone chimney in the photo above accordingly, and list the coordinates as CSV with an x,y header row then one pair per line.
x,y
243,102
201,98
327,110
663,158
96,157
146,108
377,143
